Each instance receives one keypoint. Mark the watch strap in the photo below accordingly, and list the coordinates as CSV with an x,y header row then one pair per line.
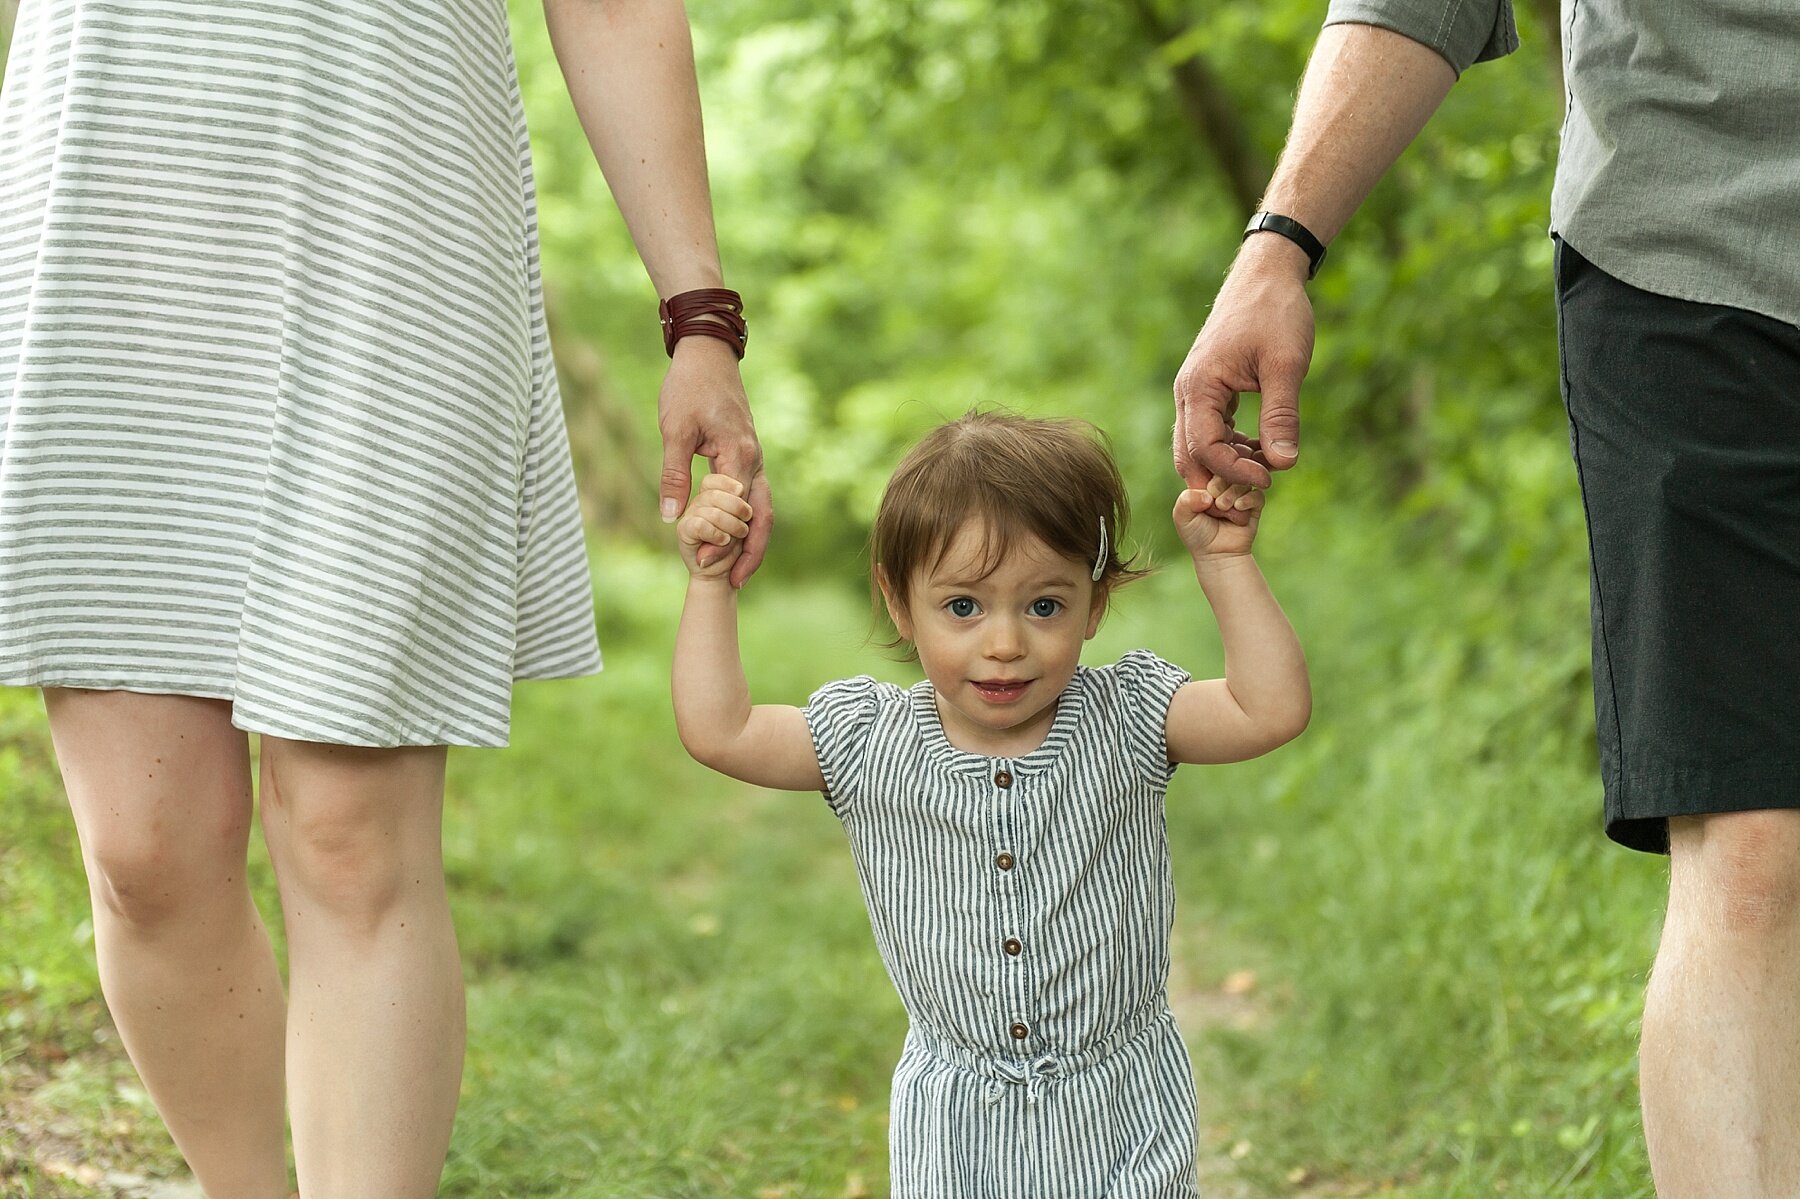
x,y
1294,231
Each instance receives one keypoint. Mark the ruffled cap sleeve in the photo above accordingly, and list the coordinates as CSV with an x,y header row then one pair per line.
x,y
1143,686
841,716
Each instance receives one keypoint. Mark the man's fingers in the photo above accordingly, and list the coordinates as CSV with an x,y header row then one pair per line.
x,y
1205,441
1191,472
1223,460
756,543
1278,426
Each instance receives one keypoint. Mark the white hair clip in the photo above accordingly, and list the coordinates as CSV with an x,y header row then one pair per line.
x,y
1100,561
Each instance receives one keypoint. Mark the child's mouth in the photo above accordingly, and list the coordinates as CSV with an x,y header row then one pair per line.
x,y
1001,692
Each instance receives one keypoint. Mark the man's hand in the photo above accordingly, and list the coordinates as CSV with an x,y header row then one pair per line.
x,y
1258,337
703,411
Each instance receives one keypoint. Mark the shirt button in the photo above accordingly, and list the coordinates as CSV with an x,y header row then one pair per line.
x,y
1003,779
1013,947
1004,861
1020,1032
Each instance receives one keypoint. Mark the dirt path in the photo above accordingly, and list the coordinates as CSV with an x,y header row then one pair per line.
x,y
1237,1003
1242,1003
46,1152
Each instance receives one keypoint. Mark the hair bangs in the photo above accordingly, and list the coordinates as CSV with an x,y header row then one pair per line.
x,y
1019,478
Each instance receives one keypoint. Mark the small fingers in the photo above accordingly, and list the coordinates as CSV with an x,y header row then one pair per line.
x,y
721,500
708,526
735,528
1228,497
1193,501
725,483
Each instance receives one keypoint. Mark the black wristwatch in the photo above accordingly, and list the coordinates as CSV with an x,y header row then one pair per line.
x,y
1294,231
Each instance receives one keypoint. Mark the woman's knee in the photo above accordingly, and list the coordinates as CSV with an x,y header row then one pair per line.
x,y
158,874
1742,869
159,788
352,831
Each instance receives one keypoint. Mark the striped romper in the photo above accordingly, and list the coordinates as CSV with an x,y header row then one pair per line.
x,y
278,418
1022,907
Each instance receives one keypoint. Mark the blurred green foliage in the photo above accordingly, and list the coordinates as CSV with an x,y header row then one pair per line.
x,y
936,203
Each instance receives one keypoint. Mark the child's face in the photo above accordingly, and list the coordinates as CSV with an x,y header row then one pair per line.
x,y
998,649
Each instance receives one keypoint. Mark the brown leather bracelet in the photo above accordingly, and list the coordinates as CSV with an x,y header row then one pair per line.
x,y
705,312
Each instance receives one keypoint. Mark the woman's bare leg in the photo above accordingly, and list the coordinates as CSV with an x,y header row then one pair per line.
x,y
375,1019
160,789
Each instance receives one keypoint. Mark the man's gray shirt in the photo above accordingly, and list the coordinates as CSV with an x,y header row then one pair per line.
x,y
1680,165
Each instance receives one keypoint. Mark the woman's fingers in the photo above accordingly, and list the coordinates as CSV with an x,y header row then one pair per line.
x,y
762,524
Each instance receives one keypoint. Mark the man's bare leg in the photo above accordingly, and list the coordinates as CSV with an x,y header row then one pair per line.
x,y
1720,1063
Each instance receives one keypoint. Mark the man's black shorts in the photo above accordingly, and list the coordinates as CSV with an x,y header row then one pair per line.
x,y
1685,422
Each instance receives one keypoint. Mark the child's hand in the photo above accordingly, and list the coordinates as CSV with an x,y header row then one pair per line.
x,y
1203,528
718,516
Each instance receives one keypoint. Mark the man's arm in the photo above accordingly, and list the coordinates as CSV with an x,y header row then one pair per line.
x,y
1366,94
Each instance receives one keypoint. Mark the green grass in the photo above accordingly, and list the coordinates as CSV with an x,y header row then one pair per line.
x,y
673,991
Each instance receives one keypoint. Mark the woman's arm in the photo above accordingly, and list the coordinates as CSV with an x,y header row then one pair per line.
x,y
629,65
1265,698
769,745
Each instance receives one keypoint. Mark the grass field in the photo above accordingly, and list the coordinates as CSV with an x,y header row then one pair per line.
x,y
1410,964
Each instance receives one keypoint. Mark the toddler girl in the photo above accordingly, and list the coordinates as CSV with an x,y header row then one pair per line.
x,y
1006,813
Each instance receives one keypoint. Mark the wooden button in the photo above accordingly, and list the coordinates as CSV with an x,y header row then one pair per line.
x,y
1004,861
1020,1032
1013,947
1003,780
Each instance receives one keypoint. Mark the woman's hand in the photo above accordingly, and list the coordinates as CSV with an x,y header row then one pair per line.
x,y
703,411
713,529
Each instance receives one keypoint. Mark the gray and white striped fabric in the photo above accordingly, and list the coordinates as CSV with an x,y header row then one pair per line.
x,y
278,417
1022,907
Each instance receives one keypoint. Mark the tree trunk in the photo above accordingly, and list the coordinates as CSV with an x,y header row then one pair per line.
x,y
1214,115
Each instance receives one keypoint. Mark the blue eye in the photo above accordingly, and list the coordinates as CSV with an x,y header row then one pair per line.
x,y
1046,607
962,607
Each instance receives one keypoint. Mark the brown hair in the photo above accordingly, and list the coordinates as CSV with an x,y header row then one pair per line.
x,y
1020,476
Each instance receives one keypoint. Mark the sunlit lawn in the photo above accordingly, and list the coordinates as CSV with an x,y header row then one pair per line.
x,y
1435,962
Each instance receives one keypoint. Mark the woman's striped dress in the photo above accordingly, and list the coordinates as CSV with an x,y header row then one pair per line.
x,y
278,417
1022,907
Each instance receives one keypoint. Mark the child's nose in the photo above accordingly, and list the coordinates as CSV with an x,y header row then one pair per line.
x,y
1004,642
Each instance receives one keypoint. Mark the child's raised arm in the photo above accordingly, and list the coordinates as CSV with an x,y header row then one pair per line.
x,y
1264,700
765,744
